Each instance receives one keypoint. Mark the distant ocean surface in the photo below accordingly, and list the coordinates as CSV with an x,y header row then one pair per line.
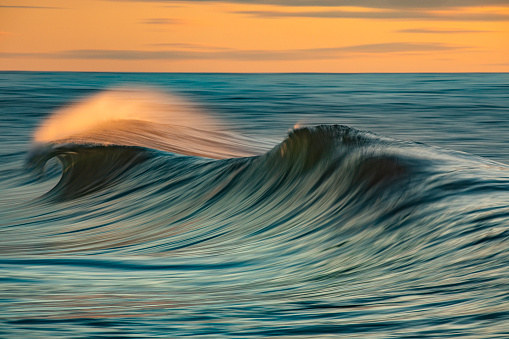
x,y
254,205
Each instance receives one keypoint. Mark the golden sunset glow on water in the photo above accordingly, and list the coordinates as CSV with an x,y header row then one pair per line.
x,y
254,36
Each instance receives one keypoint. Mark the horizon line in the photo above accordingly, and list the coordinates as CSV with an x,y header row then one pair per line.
x,y
149,72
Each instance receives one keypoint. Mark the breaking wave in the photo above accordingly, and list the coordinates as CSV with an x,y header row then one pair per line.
x,y
387,234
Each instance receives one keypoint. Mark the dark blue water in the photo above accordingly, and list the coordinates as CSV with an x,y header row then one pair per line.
x,y
254,205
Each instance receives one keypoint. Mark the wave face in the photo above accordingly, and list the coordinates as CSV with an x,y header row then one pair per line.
x,y
333,231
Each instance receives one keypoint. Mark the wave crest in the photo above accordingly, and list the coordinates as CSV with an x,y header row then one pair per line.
x,y
146,118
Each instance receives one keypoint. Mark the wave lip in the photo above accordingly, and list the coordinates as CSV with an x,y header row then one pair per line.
x,y
85,168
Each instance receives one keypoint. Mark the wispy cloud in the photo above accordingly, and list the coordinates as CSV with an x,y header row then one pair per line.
x,y
393,14
31,7
244,55
392,47
161,21
383,4
440,31
186,46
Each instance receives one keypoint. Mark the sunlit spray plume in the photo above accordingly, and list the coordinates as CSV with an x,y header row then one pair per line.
x,y
142,117
301,123
121,104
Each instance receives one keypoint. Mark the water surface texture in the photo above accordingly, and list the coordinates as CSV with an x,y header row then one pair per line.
x,y
254,205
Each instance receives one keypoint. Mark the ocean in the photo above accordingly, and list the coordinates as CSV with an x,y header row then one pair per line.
x,y
162,205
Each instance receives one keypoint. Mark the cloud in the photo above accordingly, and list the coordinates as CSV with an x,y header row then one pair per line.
x,y
160,21
399,14
187,46
8,55
439,31
244,55
383,4
393,47
31,7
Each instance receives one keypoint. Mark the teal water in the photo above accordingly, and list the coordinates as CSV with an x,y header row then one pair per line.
x,y
254,205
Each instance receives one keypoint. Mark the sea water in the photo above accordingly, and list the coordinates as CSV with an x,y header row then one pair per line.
x,y
254,205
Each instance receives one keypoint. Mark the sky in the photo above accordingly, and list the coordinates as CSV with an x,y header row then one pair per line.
x,y
255,35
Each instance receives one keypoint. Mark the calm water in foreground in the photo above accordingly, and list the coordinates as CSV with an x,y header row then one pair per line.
x,y
256,205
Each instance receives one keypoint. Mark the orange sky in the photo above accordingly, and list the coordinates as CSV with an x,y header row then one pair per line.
x,y
255,35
